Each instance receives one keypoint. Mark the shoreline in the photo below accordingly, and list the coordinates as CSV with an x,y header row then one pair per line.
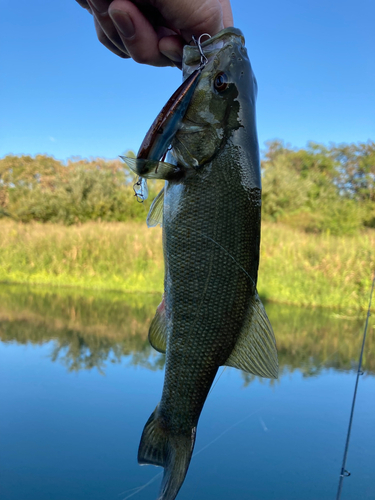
x,y
296,268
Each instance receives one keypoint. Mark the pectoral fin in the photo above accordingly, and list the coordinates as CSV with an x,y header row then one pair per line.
x,y
255,350
152,169
157,334
155,214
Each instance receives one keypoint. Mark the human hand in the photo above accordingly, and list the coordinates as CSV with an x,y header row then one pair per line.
x,y
155,31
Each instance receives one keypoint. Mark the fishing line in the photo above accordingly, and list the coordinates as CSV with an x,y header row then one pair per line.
x,y
217,380
344,472
140,488
229,429
224,250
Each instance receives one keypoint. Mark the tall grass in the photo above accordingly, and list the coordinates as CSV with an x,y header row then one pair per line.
x,y
106,256
296,267
316,270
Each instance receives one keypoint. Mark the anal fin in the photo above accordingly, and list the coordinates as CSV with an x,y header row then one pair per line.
x,y
255,350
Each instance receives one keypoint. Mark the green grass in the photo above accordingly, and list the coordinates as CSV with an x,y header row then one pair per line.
x,y
103,256
296,268
316,270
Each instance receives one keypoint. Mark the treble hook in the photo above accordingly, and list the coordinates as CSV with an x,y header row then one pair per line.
x,y
138,190
204,59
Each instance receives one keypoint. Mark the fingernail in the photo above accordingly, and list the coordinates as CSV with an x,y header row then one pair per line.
x,y
123,23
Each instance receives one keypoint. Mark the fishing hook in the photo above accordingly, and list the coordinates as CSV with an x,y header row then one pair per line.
x,y
204,59
138,192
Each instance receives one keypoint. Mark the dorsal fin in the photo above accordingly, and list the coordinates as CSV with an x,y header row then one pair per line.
x,y
255,350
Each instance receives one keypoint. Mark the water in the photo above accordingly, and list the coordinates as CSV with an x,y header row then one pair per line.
x,y
79,380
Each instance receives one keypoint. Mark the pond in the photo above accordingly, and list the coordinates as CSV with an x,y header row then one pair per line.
x,y
79,381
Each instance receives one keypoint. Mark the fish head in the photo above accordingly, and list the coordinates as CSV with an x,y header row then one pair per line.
x,y
222,107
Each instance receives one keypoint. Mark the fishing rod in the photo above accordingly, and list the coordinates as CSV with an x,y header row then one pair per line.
x,y
344,472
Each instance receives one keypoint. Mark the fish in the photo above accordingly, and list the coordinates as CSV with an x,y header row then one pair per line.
x,y
210,212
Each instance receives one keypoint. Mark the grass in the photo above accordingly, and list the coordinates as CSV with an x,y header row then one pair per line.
x,y
296,268
103,256
316,270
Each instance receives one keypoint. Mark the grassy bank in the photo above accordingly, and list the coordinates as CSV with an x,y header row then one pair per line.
x,y
316,270
104,256
296,268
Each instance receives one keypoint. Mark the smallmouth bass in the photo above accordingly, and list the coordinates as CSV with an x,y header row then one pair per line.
x,y
209,209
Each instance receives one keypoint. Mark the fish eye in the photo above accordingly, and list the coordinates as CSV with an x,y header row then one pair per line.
x,y
221,82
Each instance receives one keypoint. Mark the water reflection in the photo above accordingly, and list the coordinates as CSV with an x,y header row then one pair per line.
x,y
89,330
72,433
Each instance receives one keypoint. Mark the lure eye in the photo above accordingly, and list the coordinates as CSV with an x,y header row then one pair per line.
x,y
221,82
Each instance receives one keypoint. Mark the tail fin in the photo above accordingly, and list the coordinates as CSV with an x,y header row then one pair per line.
x,y
173,452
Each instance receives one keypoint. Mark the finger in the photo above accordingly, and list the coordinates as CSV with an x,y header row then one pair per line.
x,y
227,13
137,34
193,17
102,37
172,47
101,6
105,23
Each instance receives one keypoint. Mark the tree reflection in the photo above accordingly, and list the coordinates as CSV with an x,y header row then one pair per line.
x,y
90,330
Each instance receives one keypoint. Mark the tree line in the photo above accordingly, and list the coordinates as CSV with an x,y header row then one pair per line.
x,y
44,189
317,188
320,188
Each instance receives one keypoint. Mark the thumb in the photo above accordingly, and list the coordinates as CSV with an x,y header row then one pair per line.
x,y
194,17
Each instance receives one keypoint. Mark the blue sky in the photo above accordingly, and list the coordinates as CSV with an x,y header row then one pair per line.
x,y
62,93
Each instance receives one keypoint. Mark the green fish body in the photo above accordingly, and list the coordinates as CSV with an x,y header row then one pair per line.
x,y
210,210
